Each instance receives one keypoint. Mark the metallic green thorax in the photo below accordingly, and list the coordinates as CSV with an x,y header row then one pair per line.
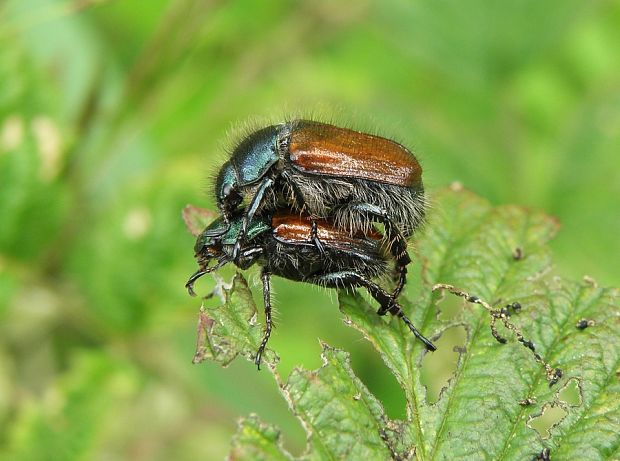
x,y
255,155
256,227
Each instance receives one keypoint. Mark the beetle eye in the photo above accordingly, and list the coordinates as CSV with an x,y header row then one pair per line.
x,y
227,190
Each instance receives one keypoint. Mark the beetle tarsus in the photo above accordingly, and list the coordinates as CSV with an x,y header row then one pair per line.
x,y
387,302
265,276
395,309
429,345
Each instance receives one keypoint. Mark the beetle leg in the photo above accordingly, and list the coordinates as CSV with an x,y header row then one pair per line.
x,y
299,202
249,214
402,278
398,243
265,276
248,256
204,269
388,304
314,236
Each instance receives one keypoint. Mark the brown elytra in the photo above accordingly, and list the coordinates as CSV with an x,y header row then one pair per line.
x,y
290,227
326,149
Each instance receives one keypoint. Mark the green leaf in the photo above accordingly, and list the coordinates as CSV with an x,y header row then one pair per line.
x,y
256,441
336,408
196,219
500,255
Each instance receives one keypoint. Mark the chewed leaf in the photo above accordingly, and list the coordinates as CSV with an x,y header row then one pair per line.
x,y
256,441
196,219
490,406
336,408
230,329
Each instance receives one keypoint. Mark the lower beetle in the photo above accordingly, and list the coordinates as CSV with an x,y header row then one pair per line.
x,y
283,245
325,171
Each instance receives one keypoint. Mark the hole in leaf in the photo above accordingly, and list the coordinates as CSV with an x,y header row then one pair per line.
x,y
439,367
305,318
551,416
571,393
449,308
371,370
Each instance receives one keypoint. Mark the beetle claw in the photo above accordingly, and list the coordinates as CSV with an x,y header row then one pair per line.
x,y
195,276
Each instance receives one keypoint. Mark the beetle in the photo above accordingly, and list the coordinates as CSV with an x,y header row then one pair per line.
x,y
353,178
282,244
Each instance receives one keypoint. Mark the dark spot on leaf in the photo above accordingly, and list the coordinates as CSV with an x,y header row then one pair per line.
x,y
527,402
529,344
544,455
582,324
517,254
555,376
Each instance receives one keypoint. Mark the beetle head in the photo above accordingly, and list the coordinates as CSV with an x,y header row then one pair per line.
x,y
227,190
210,246
210,243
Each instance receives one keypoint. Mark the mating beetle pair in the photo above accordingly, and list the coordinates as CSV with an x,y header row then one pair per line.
x,y
352,178
314,192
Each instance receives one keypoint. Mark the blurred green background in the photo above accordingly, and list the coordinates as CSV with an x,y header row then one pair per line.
x,y
113,115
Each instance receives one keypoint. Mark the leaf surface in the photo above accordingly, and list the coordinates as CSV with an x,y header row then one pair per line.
x,y
498,254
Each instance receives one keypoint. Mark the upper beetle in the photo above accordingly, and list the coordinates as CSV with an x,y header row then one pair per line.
x,y
352,177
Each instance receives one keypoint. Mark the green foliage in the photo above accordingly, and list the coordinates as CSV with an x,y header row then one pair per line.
x,y
114,114
470,244
68,424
